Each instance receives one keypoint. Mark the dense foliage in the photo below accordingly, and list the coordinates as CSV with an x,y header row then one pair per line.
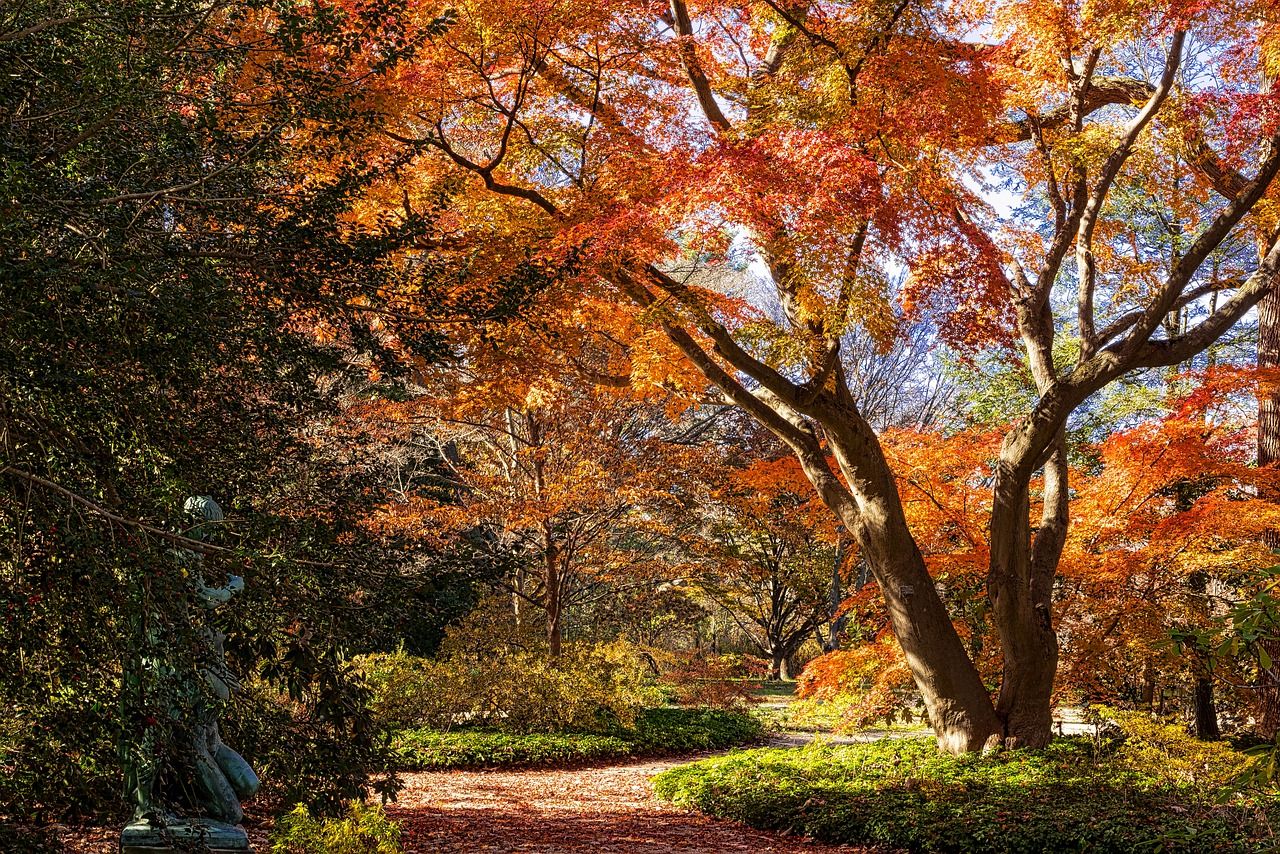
x,y
184,304
589,689
362,829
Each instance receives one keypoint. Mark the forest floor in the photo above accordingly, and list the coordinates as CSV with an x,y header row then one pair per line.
x,y
594,809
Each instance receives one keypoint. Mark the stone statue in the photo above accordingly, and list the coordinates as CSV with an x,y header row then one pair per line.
x,y
219,777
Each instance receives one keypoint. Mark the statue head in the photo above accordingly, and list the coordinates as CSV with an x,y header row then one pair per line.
x,y
202,510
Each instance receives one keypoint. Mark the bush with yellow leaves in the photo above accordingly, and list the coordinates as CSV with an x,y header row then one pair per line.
x,y
1163,750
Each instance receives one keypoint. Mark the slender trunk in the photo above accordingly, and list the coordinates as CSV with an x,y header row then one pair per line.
x,y
554,602
835,598
1148,695
518,594
1268,691
1268,717
1206,711
1020,586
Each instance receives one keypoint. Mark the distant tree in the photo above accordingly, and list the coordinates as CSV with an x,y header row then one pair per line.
x,y
764,557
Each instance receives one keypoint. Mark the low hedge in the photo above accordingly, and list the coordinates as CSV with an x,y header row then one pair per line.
x,y
656,732
666,730
1071,797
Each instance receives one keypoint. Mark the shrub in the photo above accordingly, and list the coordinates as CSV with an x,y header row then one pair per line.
x,y
684,730
714,682
58,757
656,732
589,689
1164,751
424,750
1074,796
410,691
857,688
363,829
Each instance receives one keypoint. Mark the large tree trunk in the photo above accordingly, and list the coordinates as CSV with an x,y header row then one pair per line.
x,y
957,701
868,505
778,666
1020,587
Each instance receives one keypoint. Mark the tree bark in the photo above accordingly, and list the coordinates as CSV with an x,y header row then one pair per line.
x,y
958,703
1147,697
1268,454
1206,711
778,667
554,599
1020,587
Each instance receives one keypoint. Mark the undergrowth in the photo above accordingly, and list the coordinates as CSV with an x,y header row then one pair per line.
x,y
655,732
1075,796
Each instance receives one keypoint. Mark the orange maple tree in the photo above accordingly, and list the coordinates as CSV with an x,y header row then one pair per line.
x,y
838,143
1166,535
549,463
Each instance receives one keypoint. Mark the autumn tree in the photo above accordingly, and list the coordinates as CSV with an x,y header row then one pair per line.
x,y
843,141
560,475
1166,539
1223,176
765,556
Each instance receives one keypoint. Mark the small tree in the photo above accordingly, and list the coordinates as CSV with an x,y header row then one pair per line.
x,y
765,554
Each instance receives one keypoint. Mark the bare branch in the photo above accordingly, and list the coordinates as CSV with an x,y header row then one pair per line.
x,y
1085,266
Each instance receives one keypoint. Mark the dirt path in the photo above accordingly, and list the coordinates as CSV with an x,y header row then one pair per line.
x,y
610,810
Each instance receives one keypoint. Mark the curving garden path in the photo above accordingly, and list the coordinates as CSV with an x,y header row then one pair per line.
x,y
600,810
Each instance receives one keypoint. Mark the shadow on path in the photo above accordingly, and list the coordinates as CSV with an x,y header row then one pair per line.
x,y
605,810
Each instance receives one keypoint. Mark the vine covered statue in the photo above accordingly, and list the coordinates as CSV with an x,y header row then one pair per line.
x,y
184,783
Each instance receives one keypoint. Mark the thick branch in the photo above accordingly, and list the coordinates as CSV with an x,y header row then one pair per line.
x,y
683,26
1178,349
75,498
1101,92
1206,242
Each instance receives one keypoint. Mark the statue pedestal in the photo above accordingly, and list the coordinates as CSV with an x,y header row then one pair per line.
x,y
144,837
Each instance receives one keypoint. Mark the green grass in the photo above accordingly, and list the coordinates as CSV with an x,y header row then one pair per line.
x,y
902,793
656,732
776,690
